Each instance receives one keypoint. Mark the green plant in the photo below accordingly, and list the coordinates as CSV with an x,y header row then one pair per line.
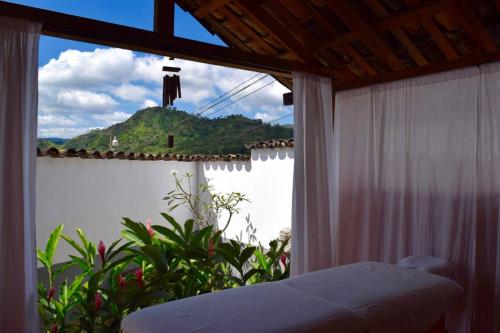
x,y
207,208
159,263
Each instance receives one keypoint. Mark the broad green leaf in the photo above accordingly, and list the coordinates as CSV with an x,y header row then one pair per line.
x,y
51,246
42,258
139,229
246,254
200,235
156,256
131,236
62,268
172,221
170,235
188,227
74,244
248,275
119,250
261,259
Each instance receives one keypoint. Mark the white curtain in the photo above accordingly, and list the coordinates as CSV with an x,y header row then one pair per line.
x,y
417,171
18,129
313,176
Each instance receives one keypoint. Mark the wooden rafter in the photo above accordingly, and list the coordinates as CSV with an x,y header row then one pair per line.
x,y
472,25
254,36
436,34
439,38
436,67
115,35
352,19
413,15
264,19
164,18
347,48
400,35
205,9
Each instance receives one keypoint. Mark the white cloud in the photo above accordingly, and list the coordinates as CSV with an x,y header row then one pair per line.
x,y
131,92
148,103
111,118
85,100
55,120
86,89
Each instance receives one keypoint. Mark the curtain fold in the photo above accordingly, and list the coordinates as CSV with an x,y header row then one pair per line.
x,y
417,171
18,130
313,176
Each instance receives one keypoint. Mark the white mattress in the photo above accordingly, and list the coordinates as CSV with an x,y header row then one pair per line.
x,y
362,297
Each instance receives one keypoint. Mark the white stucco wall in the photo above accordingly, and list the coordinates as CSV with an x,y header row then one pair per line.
x,y
267,181
94,195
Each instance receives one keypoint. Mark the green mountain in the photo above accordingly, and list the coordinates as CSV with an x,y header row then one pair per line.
x,y
46,143
147,130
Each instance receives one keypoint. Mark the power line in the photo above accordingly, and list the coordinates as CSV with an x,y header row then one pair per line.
x,y
239,99
253,128
176,125
227,92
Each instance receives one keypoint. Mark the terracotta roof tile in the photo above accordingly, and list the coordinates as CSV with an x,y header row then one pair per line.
x,y
82,153
278,143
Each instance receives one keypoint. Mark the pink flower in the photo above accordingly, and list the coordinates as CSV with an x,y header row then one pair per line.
x,y
98,301
283,259
50,293
138,276
121,282
211,247
102,250
150,230
54,328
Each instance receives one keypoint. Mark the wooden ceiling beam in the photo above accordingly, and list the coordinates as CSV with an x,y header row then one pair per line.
x,y
436,34
273,27
436,67
472,25
164,17
352,19
104,33
347,48
439,38
212,5
400,35
254,36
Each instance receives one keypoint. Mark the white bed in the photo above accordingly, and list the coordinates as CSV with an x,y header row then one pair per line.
x,y
362,297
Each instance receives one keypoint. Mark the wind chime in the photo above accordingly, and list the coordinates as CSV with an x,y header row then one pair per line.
x,y
171,91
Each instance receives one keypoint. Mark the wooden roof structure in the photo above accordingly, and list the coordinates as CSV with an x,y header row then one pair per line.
x,y
357,42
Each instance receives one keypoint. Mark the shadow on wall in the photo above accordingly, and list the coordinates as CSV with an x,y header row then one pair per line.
x,y
271,154
229,166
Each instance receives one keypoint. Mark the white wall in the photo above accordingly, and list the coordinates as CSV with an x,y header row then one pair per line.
x,y
267,182
94,195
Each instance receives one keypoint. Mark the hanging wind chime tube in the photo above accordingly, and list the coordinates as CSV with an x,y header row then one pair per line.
x,y
171,86
171,91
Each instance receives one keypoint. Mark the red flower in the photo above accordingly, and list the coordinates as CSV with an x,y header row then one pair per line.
x,y
50,293
121,282
102,250
150,230
98,301
211,247
283,259
54,328
138,276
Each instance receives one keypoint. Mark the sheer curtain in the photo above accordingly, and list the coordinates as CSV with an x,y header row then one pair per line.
x,y
18,121
312,192
417,171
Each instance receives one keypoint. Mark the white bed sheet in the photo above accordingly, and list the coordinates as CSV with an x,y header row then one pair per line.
x,y
362,297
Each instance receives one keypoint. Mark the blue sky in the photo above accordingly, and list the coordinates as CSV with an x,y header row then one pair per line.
x,y
84,86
